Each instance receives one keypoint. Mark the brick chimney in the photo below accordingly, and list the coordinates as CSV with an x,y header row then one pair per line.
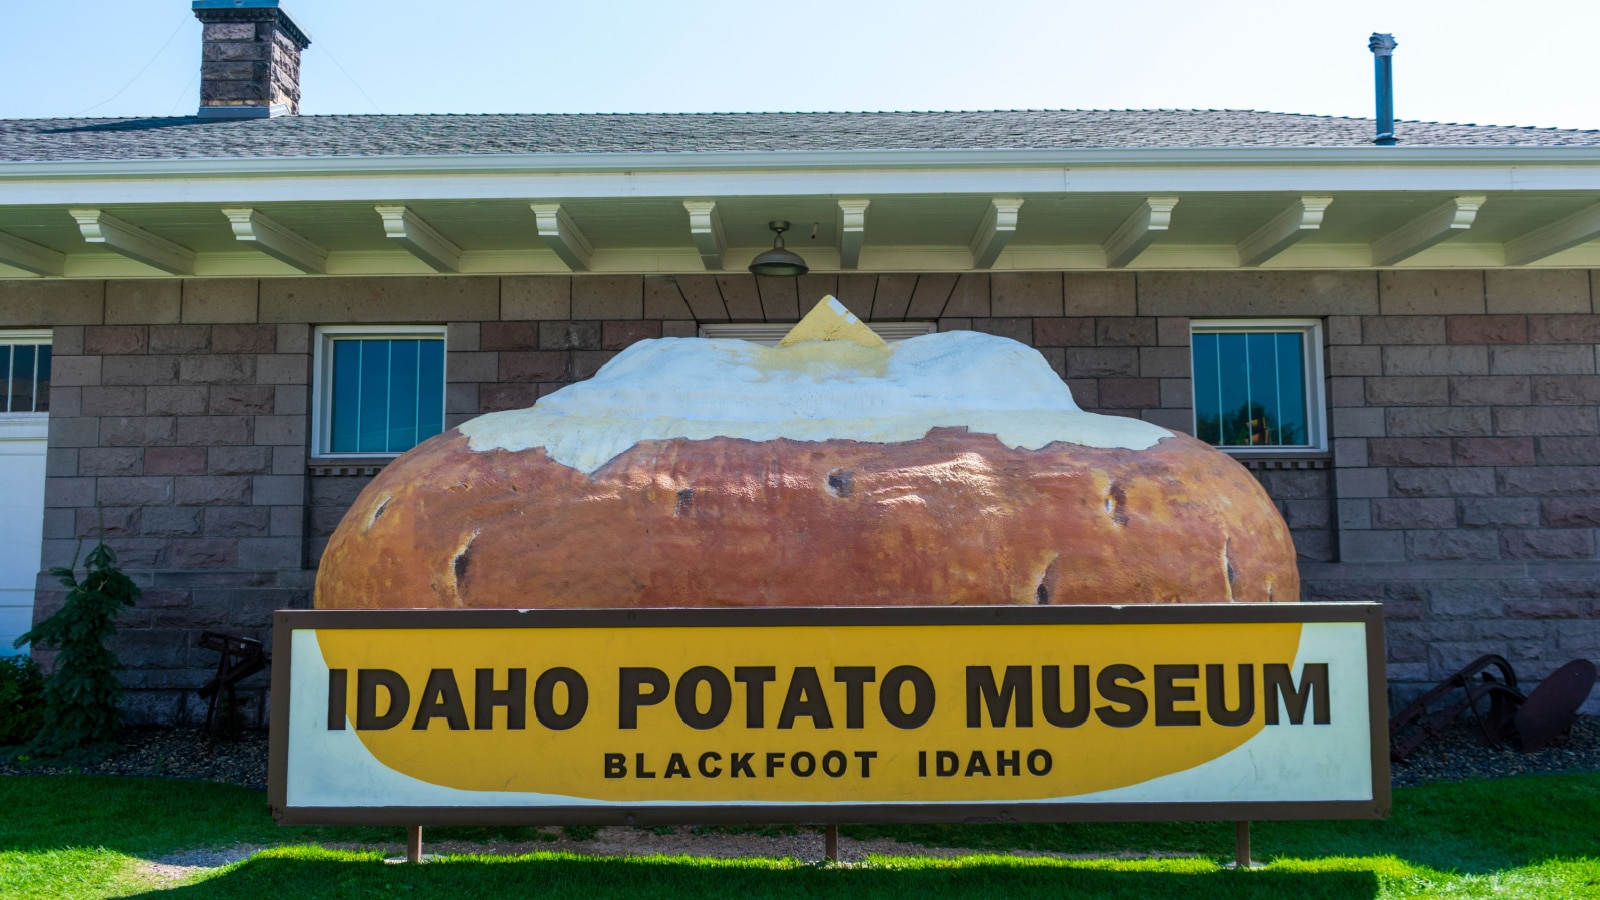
x,y
249,59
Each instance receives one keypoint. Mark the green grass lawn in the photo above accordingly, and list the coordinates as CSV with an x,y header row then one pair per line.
x,y
1537,837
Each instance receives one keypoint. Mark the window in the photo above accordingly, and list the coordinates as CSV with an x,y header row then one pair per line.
x,y
1258,384
25,372
379,391
24,424
770,333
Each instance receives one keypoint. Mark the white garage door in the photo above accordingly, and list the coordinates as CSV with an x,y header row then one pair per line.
x,y
25,379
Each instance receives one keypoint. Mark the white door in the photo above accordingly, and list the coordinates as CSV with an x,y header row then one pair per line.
x,y
25,382
22,519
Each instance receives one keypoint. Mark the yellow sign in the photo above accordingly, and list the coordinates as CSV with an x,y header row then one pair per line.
x,y
902,709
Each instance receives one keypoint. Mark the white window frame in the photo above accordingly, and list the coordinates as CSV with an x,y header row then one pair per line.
x,y
24,425
770,333
1316,403
322,377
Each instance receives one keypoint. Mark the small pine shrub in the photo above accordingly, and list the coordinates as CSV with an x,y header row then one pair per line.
x,y
21,700
82,695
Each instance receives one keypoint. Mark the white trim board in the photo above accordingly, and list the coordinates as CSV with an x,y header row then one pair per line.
x,y
646,161
377,185
24,426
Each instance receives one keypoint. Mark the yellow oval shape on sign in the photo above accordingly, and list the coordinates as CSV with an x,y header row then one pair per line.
x,y
842,746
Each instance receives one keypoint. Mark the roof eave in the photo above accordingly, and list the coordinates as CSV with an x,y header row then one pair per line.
x,y
1177,157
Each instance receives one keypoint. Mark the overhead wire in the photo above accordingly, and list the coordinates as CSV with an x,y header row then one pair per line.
x,y
322,43
172,110
181,22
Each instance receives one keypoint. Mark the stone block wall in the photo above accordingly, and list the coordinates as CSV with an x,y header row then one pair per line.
x,y
178,431
1462,489
1467,459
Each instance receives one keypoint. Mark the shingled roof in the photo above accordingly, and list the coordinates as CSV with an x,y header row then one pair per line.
x,y
60,140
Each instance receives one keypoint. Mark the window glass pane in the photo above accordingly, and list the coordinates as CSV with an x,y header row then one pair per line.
x,y
402,434
1292,389
1207,385
5,378
372,428
1232,352
22,356
387,394
41,384
1250,389
1262,365
430,390
345,396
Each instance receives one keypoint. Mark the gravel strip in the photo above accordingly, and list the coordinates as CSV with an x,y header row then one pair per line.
x,y
171,753
804,843
1461,754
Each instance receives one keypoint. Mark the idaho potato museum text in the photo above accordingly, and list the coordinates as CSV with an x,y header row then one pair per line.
x,y
706,697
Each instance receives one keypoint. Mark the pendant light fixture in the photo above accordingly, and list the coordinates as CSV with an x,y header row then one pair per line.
x,y
778,261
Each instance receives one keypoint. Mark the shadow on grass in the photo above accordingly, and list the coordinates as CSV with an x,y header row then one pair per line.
x,y
144,816
1471,828
301,873
1474,827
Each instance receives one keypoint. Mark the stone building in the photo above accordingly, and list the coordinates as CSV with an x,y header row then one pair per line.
x,y
195,311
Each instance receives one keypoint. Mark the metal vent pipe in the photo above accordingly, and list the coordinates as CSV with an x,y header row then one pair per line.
x,y
1382,47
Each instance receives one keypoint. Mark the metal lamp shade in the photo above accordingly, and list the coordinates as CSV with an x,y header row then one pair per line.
x,y
778,261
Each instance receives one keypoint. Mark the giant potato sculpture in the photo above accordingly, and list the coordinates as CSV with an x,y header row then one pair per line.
x,y
831,470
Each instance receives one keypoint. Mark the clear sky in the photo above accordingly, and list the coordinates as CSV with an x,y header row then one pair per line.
x,y
1528,62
